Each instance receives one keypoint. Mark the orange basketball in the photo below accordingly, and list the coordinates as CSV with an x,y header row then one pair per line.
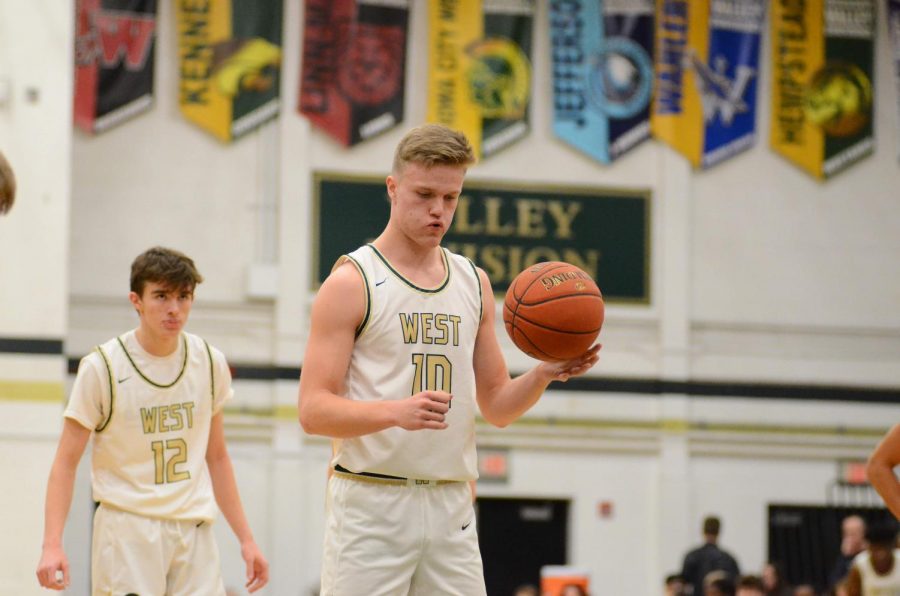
x,y
553,311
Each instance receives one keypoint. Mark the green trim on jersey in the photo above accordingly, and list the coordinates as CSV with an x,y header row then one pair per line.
x,y
212,375
365,321
112,389
411,284
480,294
143,376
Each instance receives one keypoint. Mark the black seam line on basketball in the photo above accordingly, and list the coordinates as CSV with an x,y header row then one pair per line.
x,y
527,320
552,298
533,281
365,321
143,376
537,349
112,390
411,284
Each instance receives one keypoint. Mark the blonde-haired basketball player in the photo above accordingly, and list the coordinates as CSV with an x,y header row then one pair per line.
x,y
402,353
152,401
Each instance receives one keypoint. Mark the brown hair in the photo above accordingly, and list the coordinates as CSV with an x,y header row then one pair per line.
x,y
433,145
165,266
7,185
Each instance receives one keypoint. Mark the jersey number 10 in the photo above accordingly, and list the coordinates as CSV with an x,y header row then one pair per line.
x,y
433,373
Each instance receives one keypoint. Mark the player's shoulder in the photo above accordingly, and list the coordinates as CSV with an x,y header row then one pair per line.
x,y
195,342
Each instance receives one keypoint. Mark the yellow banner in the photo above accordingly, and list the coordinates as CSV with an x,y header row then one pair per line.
x,y
682,34
454,26
797,54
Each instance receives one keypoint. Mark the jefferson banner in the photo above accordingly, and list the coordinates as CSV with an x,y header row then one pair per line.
x,y
353,67
822,100
707,66
230,58
114,50
601,53
479,75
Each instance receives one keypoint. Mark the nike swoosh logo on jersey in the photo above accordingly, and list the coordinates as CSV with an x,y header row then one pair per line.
x,y
378,283
466,526
124,379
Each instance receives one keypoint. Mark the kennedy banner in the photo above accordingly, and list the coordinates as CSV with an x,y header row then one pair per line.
x,y
230,59
894,32
114,50
602,58
479,75
707,67
822,100
353,67
505,228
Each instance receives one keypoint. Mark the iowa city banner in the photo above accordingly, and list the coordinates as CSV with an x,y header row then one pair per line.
x,y
479,69
114,48
707,68
602,60
230,59
822,72
354,65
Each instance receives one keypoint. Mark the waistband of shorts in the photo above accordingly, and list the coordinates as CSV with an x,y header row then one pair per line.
x,y
343,472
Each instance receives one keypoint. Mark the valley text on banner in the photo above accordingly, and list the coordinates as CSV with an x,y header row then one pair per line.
x,y
479,75
822,100
353,67
114,51
602,59
230,53
707,67
894,32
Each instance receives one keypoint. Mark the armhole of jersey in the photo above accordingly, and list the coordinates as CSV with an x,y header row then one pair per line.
x,y
480,292
112,389
212,375
360,329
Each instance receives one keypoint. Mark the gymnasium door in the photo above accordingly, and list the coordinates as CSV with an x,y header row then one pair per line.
x,y
518,537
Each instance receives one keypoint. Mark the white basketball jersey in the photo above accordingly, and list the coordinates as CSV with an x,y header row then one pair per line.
x,y
151,420
874,584
413,339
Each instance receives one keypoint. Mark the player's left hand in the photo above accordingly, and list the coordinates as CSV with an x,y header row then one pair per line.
x,y
563,371
257,566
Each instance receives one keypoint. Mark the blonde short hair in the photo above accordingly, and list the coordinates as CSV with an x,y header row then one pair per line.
x,y
433,145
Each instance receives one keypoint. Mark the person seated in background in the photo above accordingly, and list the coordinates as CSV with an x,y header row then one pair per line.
x,y
718,583
875,571
526,590
804,590
708,557
749,585
773,580
853,542
675,585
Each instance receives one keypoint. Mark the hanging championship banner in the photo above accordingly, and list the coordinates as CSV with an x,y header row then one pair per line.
x,y
114,49
230,57
479,75
707,65
822,60
601,53
894,32
353,67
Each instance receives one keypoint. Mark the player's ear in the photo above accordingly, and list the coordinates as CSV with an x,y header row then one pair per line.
x,y
135,301
391,184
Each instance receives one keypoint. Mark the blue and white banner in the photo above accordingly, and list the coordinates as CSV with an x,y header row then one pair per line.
x,y
894,32
601,52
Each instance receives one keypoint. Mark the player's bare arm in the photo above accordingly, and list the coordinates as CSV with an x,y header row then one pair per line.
x,y
60,487
337,311
880,469
502,399
225,489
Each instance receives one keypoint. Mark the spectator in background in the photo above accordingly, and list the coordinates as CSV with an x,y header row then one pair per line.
x,y
704,559
876,571
853,542
718,583
675,585
750,585
773,580
804,590
526,590
573,590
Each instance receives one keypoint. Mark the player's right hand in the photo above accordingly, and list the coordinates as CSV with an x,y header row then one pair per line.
x,y
424,410
53,563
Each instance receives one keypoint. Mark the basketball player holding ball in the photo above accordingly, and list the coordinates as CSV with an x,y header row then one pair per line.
x,y
402,353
